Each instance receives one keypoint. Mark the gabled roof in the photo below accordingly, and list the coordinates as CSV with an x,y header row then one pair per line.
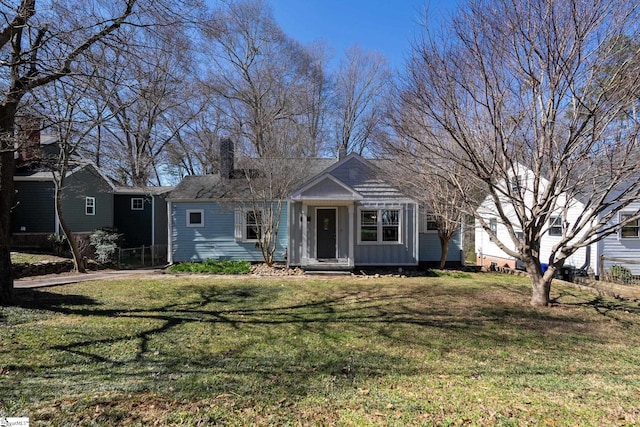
x,y
40,174
337,190
351,178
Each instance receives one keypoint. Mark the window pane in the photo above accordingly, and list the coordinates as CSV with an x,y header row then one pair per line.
x,y
369,234
195,218
390,234
631,229
369,217
431,223
254,225
555,226
390,217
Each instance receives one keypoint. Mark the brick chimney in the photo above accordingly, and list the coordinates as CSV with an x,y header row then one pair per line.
x,y
27,133
226,158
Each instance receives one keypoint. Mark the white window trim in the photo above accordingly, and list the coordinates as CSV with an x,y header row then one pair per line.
x,y
620,236
425,222
133,208
240,225
552,221
379,224
244,224
493,225
188,218
90,202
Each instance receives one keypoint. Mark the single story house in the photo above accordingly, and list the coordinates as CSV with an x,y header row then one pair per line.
x,y
344,214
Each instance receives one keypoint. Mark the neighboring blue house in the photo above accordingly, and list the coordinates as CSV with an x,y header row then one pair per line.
x,y
343,216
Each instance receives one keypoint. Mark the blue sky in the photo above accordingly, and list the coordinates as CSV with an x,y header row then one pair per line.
x,y
386,26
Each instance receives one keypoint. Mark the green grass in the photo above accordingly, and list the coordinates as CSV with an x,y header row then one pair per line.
x,y
213,267
446,350
29,258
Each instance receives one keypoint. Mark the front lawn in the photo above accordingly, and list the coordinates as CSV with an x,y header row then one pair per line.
x,y
451,350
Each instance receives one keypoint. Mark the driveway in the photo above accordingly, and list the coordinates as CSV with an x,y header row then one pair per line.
x,y
67,278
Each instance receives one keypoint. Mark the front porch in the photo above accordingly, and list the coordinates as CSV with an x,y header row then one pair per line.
x,y
322,225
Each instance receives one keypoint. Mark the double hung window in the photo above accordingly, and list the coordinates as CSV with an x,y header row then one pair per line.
x,y
379,226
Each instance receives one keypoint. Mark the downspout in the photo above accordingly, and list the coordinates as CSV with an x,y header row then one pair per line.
x,y
169,236
587,258
153,220
56,219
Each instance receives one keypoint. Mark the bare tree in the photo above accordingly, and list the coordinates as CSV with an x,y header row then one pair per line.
x,y
147,90
270,181
517,87
37,49
359,87
261,74
62,103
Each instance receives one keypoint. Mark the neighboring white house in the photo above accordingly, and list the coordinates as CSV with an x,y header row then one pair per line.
x,y
488,252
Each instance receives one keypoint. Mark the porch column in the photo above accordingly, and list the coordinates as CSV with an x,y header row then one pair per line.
x,y
352,231
304,252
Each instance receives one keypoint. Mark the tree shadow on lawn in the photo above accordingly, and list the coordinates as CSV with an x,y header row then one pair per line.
x,y
288,350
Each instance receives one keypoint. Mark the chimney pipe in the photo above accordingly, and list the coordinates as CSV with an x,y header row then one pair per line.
x,y
27,132
342,152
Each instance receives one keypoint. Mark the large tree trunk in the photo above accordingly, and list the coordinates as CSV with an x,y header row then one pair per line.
x,y
7,190
540,283
444,249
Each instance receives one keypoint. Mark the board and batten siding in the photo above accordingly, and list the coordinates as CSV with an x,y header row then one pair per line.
x,y
216,239
34,209
430,250
404,253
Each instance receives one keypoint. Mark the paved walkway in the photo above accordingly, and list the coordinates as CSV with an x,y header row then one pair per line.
x,y
67,278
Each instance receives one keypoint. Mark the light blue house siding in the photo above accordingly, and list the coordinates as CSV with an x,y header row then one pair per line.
x,y
620,246
216,238
430,248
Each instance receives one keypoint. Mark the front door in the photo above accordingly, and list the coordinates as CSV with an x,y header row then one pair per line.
x,y
326,233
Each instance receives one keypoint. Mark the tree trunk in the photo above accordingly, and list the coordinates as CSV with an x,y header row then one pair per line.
x,y
78,262
7,190
540,284
444,249
541,289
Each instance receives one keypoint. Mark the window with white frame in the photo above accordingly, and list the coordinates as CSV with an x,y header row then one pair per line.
x,y
252,225
555,226
429,223
516,183
137,204
631,230
379,226
90,206
195,217
493,225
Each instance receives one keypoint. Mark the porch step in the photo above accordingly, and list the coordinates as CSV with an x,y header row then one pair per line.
x,y
327,272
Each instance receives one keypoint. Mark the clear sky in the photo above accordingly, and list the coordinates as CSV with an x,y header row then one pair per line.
x,y
386,26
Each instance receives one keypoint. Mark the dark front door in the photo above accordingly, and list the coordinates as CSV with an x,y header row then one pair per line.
x,y
326,233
